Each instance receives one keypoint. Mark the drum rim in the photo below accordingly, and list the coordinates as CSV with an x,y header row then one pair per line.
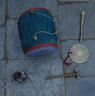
x,y
30,9
40,46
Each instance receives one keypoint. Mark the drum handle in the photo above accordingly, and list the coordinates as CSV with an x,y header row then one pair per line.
x,y
36,37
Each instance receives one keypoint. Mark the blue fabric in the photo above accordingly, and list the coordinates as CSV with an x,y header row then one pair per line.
x,y
41,51
30,23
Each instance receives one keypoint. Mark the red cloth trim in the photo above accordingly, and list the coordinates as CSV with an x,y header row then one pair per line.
x,y
31,9
40,46
66,62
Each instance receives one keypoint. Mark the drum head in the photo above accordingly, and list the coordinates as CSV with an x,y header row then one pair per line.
x,y
79,53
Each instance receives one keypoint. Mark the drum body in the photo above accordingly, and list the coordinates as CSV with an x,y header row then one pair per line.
x,y
37,32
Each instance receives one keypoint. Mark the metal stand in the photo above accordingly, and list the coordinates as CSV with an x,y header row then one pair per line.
x,y
75,74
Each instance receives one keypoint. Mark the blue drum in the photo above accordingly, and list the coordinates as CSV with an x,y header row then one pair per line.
x,y
37,32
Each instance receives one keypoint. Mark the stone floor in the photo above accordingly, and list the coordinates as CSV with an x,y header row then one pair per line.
x,y
12,58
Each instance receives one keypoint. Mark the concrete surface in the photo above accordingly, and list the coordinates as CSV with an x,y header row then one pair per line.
x,y
2,77
36,83
70,20
2,40
83,87
15,6
2,11
12,57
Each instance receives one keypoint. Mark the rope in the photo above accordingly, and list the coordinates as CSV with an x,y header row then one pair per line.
x,y
35,36
43,15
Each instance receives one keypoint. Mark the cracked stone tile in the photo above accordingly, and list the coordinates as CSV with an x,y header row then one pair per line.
x,y
37,70
2,33
69,20
14,46
81,87
57,67
2,13
16,7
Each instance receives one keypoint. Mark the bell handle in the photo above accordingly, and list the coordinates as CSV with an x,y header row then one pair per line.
x,y
81,25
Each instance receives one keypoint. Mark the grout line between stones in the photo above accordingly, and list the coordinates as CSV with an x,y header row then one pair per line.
x,y
76,38
5,39
74,3
30,58
60,49
15,18
1,25
5,25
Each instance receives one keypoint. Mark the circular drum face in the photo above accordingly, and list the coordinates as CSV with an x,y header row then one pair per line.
x,y
79,53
